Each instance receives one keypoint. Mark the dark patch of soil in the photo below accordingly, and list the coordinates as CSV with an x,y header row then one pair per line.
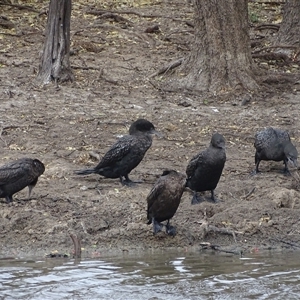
x,y
113,61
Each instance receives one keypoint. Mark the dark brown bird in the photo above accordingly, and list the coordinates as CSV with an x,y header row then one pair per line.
x,y
163,200
205,169
274,144
126,153
18,174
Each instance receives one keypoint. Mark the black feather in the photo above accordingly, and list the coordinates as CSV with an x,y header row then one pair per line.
x,y
18,174
164,198
126,153
205,169
274,144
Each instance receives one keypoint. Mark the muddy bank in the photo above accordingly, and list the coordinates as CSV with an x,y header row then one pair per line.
x,y
112,89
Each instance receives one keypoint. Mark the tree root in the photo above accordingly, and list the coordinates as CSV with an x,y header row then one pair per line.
x,y
267,26
272,56
167,68
129,12
20,6
219,249
286,242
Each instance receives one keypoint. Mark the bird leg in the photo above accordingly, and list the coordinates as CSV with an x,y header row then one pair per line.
x,y
286,171
196,199
8,198
256,171
157,227
170,230
128,182
213,198
30,187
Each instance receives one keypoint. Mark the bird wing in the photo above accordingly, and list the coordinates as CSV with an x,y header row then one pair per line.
x,y
156,190
121,148
12,172
194,162
265,138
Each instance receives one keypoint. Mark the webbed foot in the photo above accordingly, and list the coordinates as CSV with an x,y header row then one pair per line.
x,y
196,199
157,227
170,230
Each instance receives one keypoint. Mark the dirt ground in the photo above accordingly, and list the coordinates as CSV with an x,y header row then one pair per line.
x,y
113,62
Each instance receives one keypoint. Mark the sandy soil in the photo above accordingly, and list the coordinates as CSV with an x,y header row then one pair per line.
x,y
113,63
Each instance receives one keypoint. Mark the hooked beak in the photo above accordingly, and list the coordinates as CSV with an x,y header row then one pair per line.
x,y
293,162
157,133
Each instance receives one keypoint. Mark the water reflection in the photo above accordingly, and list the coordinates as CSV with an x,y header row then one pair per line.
x,y
154,276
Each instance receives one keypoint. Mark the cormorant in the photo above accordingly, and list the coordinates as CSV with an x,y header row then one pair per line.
x,y
16,175
163,200
205,169
126,153
274,144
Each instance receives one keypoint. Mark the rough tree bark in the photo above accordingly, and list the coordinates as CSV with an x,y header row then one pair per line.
x,y
220,60
55,63
289,31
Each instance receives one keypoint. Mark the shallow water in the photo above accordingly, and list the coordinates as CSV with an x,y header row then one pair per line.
x,y
154,276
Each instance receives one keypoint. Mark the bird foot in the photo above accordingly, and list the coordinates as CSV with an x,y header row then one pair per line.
x,y
214,200
170,230
286,172
130,183
254,172
196,199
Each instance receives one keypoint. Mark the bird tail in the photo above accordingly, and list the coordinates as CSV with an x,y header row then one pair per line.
x,y
85,172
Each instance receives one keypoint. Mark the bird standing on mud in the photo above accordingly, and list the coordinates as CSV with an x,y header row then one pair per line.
x,y
163,200
274,144
205,169
126,153
18,174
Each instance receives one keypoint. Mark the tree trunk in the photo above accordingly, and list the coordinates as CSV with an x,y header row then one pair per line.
x,y
55,63
220,60
289,31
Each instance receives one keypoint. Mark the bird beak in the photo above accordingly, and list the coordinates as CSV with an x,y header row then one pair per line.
x,y
157,133
293,162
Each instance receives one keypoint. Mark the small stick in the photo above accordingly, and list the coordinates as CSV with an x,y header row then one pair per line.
x,y
77,245
249,194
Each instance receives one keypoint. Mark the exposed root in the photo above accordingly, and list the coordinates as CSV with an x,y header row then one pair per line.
x,y
218,248
286,242
169,67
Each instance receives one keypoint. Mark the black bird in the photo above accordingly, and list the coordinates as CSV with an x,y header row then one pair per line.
x,y
18,174
126,153
205,169
274,144
163,200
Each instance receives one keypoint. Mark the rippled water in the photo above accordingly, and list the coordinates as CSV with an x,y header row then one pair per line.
x,y
154,276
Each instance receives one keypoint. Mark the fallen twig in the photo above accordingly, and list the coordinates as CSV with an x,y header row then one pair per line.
x,y
249,194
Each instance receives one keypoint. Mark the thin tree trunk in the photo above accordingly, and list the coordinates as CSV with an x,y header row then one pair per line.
x,y
220,60
55,63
